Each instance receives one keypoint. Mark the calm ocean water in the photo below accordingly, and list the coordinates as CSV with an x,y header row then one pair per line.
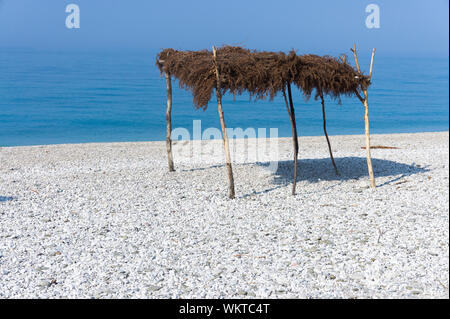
x,y
55,97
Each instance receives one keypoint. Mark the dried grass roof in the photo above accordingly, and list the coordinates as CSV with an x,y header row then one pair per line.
x,y
262,74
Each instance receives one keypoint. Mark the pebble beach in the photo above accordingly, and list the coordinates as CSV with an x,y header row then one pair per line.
x,y
107,220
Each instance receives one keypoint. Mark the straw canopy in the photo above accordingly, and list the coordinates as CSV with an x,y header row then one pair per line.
x,y
261,74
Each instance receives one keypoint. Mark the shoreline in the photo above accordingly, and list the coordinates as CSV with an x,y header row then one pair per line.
x,y
280,137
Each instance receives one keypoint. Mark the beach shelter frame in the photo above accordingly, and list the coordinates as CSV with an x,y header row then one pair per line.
x,y
290,109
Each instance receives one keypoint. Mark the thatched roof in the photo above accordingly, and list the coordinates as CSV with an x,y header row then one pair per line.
x,y
262,74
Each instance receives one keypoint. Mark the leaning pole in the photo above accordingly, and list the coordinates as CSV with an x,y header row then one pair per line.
x,y
169,122
291,112
365,101
231,192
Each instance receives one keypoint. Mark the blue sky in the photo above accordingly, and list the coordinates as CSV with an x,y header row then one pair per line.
x,y
414,27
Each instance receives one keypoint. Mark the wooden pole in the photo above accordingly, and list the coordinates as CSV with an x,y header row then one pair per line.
x,y
291,112
368,155
326,134
294,141
365,102
356,58
371,63
169,121
224,128
366,123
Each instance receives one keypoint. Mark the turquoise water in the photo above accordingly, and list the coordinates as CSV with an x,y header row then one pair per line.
x,y
60,97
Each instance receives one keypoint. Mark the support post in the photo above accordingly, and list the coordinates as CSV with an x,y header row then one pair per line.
x,y
224,128
326,134
365,102
291,112
169,121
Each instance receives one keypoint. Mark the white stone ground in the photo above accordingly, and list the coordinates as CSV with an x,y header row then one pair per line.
x,y
108,220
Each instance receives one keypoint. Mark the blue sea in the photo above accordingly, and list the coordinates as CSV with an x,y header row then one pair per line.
x,y
73,97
